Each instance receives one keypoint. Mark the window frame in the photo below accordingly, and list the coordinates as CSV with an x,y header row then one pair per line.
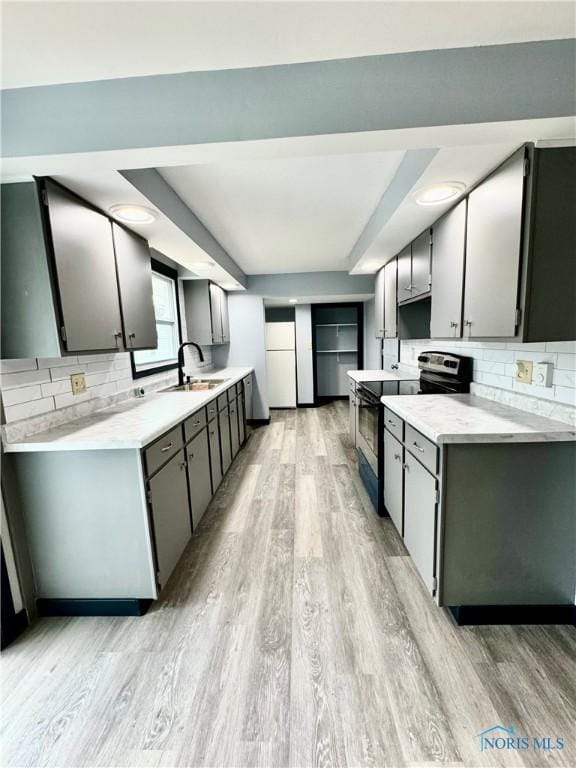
x,y
169,272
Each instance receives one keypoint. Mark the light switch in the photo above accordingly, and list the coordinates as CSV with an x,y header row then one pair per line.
x,y
78,381
524,371
542,374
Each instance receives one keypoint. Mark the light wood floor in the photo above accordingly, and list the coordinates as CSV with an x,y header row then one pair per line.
x,y
295,632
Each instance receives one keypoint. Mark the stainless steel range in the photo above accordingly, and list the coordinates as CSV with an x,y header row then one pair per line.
x,y
441,373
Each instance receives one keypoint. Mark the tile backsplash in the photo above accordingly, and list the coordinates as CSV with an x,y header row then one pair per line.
x,y
494,366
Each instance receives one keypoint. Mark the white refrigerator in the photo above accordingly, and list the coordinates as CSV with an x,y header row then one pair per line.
x,y
281,364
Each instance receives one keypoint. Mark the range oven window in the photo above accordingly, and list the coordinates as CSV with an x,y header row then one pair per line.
x,y
368,423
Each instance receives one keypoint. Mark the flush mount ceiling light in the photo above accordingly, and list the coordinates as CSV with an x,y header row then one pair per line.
x,y
434,194
292,301
133,214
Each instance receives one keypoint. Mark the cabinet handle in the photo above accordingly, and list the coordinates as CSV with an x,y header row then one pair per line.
x,y
183,465
196,423
190,455
406,467
397,457
453,324
212,433
166,447
118,336
418,448
468,322
408,287
390,421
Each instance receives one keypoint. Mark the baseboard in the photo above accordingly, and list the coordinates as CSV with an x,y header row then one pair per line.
x,y
513,614
92,607
258,422
12,627
306,405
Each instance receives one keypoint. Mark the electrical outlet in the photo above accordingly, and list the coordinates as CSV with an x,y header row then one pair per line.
x,y
524,371
78,381
542,374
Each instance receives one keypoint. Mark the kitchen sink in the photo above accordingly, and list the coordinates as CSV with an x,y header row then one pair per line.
x,y
197,385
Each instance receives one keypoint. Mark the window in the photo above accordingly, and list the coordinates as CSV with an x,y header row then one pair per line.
x,y
164,357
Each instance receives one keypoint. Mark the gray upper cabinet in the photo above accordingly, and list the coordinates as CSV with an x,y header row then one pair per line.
x,y
62,277
206,312
404,260
390,300
379,300
87,288
493,242
421,264
448,274
135,285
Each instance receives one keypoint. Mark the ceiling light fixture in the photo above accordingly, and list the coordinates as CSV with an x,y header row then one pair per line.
x,y
435,194
133,214
292,301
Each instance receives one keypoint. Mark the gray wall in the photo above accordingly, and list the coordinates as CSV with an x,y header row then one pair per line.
x,y
247,345
304,361
372,345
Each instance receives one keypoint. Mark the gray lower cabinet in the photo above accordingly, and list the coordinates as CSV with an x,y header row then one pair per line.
x,y
420,518
215,457
352,409
225,442
234,427
448,274
199,483
393,479
170,514
242,418
248,397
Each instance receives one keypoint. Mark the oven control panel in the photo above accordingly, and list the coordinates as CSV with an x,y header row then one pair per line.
x,y
438,361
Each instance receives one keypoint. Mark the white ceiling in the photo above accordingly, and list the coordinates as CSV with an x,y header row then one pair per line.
x,y
299,214
55,42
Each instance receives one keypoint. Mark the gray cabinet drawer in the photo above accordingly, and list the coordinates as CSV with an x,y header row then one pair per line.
x,y
165,447
194,424
212,410
424,450
393,423
222,401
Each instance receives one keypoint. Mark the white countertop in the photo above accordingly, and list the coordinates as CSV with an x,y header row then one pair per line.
x,y
376,375
132,424
472,419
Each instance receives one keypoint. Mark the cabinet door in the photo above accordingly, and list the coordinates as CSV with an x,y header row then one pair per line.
x,y
404,260
170,515
241,418
225,446
421,253
86,274
248,396
198,457
224,316
379,303
234,427
215,458
135,286
215,314
493,241
448,274
352,416
390,300
420,518
393,479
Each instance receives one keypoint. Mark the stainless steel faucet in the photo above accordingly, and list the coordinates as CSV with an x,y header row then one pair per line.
x,y
181,358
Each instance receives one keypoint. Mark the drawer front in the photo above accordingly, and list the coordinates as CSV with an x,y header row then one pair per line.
x,y
194,424
212,410
393,423
160,451
351,385
222,401
424,450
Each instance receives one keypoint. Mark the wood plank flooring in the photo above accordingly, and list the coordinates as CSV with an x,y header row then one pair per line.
x,y
295,632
